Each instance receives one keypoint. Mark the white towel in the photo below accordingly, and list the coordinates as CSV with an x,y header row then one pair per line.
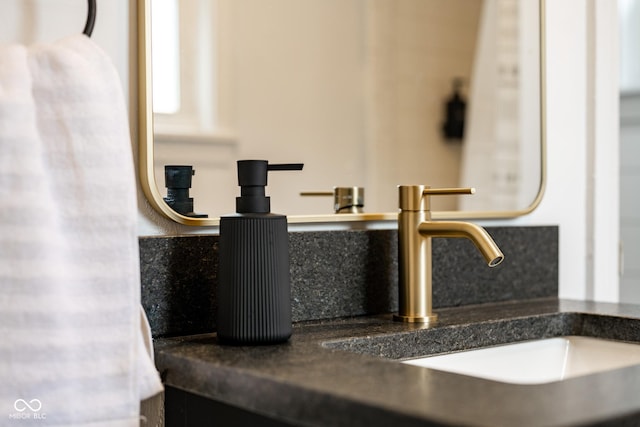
x,y
71,345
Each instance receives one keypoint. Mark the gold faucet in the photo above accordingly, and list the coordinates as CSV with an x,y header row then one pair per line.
x,y
415,231
345,199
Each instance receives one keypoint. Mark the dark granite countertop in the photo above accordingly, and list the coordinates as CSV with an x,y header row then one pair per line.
x,y
342,372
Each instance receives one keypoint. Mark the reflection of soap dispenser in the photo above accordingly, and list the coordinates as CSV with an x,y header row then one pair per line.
x,y
178,182
254,293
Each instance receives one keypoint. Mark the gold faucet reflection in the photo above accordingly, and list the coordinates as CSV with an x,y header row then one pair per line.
x,y
415,231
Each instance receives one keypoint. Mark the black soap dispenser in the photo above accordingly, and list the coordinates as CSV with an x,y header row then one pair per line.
x,y
254,293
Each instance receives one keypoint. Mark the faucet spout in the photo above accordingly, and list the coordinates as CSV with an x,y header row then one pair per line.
x,y
475,233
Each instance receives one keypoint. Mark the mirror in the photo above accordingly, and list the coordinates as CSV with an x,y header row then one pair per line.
x,y
357,90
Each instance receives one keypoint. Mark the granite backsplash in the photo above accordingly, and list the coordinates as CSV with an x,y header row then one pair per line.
x,y
345,273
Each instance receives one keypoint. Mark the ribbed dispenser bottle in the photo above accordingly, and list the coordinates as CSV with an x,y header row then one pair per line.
x,y
254,292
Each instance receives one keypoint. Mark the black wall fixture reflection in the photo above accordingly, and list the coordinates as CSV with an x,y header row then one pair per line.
x,y
455,108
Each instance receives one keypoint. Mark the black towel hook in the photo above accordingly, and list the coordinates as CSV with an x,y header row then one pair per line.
x,y
91,19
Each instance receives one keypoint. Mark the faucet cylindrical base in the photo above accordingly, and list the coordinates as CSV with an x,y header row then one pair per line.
x,y
414,278
427,320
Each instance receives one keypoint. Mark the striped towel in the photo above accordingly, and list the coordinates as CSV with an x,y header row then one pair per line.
x,y
71,342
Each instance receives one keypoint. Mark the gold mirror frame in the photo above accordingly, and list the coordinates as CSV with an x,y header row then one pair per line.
x,y
146,147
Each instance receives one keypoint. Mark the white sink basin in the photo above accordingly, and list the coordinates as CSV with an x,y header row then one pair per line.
x,y
539,361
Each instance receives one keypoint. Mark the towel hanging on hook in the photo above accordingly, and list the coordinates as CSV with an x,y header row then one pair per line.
x,y
91,18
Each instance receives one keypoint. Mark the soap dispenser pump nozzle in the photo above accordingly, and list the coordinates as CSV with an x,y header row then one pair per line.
x,y
252,178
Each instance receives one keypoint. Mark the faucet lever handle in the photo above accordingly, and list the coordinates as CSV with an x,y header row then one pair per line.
x,y
445,191
316,193
416,197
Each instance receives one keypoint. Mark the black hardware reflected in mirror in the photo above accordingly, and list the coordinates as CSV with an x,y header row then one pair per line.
x,y
455,113
178,181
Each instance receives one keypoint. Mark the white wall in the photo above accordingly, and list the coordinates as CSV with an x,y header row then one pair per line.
x,y
571,196
582,144
45,21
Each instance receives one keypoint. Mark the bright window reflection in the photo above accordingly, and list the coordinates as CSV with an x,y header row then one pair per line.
x,y
629,36
165,56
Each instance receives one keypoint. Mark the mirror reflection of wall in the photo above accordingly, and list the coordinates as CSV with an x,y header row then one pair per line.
x,y
503,135
630,148
356,90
